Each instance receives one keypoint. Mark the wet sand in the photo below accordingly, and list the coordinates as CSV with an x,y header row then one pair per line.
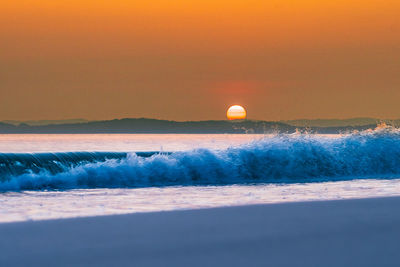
x,y
363,232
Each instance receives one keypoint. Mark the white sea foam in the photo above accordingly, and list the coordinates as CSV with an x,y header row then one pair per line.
x,y
40,205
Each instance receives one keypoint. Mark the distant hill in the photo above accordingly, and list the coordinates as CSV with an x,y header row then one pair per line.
x,y
340,122
45,122
144,125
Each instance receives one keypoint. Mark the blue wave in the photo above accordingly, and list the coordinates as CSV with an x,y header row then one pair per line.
x,y
279,159
17,163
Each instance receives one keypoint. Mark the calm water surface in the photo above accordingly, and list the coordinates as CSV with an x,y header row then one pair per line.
x,y
33,143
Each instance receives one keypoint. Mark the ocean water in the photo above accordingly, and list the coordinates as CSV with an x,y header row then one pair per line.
x,y
59,176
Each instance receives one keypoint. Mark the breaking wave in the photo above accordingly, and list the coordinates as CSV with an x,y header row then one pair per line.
x,y
292,158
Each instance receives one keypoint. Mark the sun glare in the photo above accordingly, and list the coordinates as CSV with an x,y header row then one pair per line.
x,y
236,112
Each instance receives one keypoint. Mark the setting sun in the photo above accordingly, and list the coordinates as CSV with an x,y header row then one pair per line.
x,y
236,112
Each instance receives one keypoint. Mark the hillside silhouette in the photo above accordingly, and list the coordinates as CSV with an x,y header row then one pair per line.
x,y
143,125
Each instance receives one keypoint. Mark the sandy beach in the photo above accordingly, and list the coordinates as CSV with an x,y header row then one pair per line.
x,y
363,232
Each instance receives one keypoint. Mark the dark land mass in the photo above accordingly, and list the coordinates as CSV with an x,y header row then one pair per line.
x,y
44,122
340,122
143,125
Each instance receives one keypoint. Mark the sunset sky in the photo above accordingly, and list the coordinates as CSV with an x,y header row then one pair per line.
x,y
192,59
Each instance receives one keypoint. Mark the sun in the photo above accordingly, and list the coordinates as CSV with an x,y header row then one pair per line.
x,y
236,112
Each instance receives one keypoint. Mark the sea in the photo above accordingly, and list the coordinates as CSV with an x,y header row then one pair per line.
x,y
72,175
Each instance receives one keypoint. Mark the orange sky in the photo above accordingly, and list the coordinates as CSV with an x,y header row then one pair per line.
x,y
190,60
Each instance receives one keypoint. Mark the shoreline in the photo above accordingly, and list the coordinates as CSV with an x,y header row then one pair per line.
x,y
356,232
44,205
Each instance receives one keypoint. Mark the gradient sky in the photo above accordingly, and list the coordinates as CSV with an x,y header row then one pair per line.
x,y
191,59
